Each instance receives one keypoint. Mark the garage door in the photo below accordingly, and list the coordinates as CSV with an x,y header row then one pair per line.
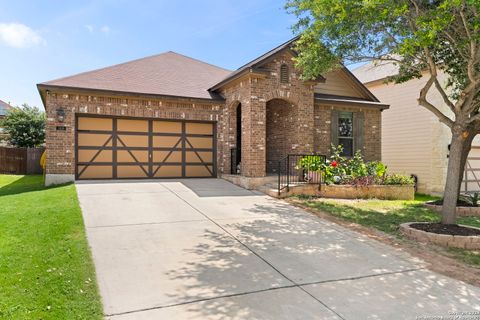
x,y
127,148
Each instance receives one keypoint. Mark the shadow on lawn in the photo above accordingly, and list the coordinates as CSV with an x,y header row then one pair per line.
x,y
24,184
387,220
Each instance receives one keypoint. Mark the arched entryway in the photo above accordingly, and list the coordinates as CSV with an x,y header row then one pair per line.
x,y
280,132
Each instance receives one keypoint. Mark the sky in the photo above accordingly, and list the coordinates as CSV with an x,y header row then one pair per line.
x,y
46,40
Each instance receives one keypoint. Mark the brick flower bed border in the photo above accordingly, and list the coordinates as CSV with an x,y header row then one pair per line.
x,y
461,211
445,240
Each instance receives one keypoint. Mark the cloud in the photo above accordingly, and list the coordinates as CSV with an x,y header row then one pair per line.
x,y
105,30
18,35
90,28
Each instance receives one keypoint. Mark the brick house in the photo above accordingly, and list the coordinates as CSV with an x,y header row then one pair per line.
x,y
173,116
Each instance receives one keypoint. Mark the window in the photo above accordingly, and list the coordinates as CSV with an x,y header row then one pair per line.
x,y
345,133
284,76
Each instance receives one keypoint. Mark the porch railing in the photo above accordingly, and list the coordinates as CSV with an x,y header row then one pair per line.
x,y
292,173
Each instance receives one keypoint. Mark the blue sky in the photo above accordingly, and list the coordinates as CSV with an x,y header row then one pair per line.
x,y
45,40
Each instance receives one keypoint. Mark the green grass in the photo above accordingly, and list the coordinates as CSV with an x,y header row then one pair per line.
x,y
387,215
46,271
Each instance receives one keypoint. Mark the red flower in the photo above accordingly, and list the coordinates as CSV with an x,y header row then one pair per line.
x,y
334,163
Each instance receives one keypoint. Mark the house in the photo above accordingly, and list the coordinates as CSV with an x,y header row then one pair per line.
x,y
4,107
171,116
413,140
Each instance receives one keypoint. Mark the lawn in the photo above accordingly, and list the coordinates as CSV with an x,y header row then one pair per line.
x,y
46,270
386,216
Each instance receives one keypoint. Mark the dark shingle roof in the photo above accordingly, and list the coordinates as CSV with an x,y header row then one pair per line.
x,y
4,107
169,74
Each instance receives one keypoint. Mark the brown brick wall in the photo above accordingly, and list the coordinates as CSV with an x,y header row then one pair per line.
x,y
254,92
372,130
61,144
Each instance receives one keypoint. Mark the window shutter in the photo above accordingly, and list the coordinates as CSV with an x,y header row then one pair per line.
x,y
334,128
359,131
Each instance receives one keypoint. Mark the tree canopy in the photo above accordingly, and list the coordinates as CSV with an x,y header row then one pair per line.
x,y
25,126
422,37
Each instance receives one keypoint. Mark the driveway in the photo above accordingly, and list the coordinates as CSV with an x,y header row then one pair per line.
x,y
206,249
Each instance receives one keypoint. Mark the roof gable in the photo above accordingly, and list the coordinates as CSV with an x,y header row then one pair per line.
x,y
256,63
169,74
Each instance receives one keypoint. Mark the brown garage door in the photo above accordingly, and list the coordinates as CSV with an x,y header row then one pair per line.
x,y
120,148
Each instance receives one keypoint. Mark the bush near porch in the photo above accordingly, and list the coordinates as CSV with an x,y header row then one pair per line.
x,y
46,271
353,178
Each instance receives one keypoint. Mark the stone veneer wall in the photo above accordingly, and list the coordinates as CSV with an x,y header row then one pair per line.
x,y
61,144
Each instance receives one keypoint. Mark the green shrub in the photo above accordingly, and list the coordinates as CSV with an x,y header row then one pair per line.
x,y
398,179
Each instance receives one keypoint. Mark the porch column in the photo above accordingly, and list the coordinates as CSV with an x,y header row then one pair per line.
x,y
253,138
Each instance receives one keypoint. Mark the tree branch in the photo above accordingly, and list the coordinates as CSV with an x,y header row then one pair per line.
x,y
444,95
422,100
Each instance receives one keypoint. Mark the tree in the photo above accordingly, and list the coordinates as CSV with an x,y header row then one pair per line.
x,y
25,126
423,38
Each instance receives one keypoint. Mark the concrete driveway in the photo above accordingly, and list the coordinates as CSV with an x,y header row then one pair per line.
x,y
206,249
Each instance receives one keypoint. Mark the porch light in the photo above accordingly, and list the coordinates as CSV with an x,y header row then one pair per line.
x,y
60,115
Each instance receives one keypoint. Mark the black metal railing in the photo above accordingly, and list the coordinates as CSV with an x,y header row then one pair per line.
x,y
234,163
296,169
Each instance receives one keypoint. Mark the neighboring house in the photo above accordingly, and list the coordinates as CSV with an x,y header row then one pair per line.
x,y
4,107
413,140
173,116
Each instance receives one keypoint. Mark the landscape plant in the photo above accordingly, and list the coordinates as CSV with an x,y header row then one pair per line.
x,y
337,169
423,39
24,126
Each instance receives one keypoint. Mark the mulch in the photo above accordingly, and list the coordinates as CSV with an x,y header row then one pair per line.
x,y
450,229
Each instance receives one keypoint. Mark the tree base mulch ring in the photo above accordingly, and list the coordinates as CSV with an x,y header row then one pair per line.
x,y
450,229
452,236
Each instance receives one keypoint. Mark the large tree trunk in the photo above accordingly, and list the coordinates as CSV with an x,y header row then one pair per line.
x,y
456,164
466,150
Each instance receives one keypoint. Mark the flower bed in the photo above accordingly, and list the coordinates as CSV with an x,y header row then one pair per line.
x,y
413,230
353,178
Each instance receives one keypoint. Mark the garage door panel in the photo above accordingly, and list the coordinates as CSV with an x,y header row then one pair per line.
x,y
167,156
199,128
109,148
132,125
199,143
167,142
94,140
167,171
167,127
132,156
95,172
198,157
94,155
99,124
198,171
132,141
132,171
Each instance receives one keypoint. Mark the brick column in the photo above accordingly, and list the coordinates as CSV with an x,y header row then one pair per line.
x,y
253,138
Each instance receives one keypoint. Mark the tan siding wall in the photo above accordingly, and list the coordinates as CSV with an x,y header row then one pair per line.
x,y
413,141
337,83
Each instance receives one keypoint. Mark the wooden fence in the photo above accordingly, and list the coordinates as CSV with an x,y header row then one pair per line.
x,y
20,160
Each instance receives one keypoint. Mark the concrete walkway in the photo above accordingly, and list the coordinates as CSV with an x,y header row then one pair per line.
x,y
206,249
